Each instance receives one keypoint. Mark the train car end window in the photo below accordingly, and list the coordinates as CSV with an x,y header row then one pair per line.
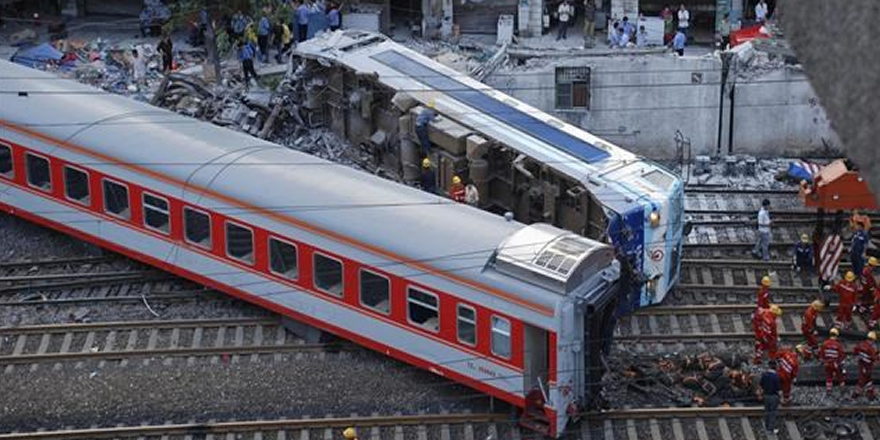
x,y
328,275
76,185
239,243
423,309
116,199
6,161
197,227
283,259
467,325
38,174
375,291
156,214
501,337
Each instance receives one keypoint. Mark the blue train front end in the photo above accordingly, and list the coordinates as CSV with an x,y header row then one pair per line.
x,y
645,212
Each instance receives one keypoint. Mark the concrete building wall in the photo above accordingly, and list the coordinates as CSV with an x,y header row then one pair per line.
x,y
639,102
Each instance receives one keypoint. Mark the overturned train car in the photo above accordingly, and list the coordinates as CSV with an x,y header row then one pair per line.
x,y
370,90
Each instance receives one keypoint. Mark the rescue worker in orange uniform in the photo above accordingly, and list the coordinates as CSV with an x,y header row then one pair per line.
x,y
808,327
787,368
764,325
847,290
832,355
457,190
764,293
867,284
875,309
866,356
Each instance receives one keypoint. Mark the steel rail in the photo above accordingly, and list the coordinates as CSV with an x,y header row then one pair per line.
x,y
730,411
100,281
260,425
58,261
129,325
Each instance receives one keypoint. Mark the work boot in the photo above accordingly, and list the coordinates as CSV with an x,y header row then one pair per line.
x,y
829,385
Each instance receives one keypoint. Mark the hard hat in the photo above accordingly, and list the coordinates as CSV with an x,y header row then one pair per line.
x,y
776,310
817,304
349,434
873,261
805,238
850,276
430,104
456,180
872,336
426,163
765,281
800,348
834,332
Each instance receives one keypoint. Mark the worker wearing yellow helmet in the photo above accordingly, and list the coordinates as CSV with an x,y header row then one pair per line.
x,y
808,326
766,336
427,179
764,292
457,190
866,356
349,434
832,354
804,262
867,283
423,121
847,290
787,366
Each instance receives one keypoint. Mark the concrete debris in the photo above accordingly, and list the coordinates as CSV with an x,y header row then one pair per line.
x,y
486,69
742,172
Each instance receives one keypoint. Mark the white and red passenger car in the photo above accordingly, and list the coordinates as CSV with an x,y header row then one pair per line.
x,y
510,310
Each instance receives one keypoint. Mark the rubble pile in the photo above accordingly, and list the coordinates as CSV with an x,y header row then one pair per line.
x,y
701,380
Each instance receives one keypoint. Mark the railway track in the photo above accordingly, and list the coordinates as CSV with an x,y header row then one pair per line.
x,y
744,422
123,340
448,426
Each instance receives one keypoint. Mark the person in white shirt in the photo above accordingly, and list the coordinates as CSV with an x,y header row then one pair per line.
x,y
762,247
684,19
565,11
761,11
642,37
623,38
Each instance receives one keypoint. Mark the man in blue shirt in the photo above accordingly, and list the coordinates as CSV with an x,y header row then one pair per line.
x,y
263,37
857,248
302,21
334,18
246,55
423,120
678,42
238,25
803,255
770,387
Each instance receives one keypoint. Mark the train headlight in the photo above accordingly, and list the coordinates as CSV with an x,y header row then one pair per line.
x,y
652,284
655,219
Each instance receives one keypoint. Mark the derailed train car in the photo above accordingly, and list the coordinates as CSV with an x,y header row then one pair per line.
x,y
370,90
446,287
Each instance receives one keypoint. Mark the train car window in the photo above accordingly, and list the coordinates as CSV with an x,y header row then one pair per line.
x,y
6,161
282,259
116,199
197,227
375,291
423,309
467,325
38,174
239,242
76,185
328,274
501,337
156,215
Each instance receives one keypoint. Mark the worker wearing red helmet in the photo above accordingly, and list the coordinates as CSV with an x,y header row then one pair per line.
x,y
868,283
764,293
457,190
832,355
847,290
764,325
787,366
808,327
866,356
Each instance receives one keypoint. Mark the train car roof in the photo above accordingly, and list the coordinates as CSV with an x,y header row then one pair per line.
x,y
449,236
562,146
